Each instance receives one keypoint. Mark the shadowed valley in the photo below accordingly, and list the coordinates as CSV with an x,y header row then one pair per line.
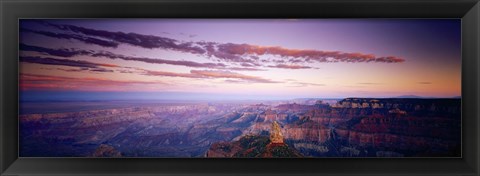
x,y
351,127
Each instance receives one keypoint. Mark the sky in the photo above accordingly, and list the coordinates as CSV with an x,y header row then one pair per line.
x,y
238,58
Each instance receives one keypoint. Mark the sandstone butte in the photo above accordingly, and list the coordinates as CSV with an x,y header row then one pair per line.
x,y
276,136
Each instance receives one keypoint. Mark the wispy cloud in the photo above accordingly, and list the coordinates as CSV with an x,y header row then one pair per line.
x,y
234,52
228,74
295,83
63,52
284,66
309,84
159,61
45,82
144,41
170,74
245,69
227,57
82,65
230,52
86,69
210,74
85,39
98,67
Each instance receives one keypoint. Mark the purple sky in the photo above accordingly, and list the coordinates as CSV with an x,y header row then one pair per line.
x,y
265,58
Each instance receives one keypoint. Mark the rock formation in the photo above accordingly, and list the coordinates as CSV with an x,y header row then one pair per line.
x,y
252,146
105,150
276,136
349,127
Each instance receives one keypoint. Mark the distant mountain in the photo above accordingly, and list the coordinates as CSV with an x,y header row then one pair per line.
x,y
409,96
415,96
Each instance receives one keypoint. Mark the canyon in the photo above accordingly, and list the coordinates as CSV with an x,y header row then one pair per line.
x,y
350,127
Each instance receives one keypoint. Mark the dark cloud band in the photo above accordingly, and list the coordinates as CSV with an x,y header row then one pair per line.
x,y
73,52
64,62
240,53
88,40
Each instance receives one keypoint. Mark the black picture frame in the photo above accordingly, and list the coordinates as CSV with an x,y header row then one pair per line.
x,y
12,10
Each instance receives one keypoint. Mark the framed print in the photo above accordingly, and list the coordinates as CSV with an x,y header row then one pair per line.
x,y
220,87
100,88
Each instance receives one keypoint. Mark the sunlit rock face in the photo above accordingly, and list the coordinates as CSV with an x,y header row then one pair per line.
x,y
276,136
106,151
308,132
252,146
255,146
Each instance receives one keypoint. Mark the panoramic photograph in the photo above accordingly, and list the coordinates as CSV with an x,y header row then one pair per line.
x,y
240,88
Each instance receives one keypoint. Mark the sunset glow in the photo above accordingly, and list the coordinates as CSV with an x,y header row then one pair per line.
x,y
240,88
244,59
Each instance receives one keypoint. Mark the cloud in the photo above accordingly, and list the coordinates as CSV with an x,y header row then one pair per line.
x,y
46,82
295,83
144,41
73,52
97,67
63,62
424,83
211,74
234,81
160,61
234,52
170,74
53,52
245,69
86,69
231,52
284,66
309,84
88,40
228,74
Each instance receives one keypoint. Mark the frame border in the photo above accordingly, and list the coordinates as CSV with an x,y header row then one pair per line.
x,y
12,10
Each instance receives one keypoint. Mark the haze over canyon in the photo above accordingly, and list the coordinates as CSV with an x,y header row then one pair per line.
x,y
351,127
